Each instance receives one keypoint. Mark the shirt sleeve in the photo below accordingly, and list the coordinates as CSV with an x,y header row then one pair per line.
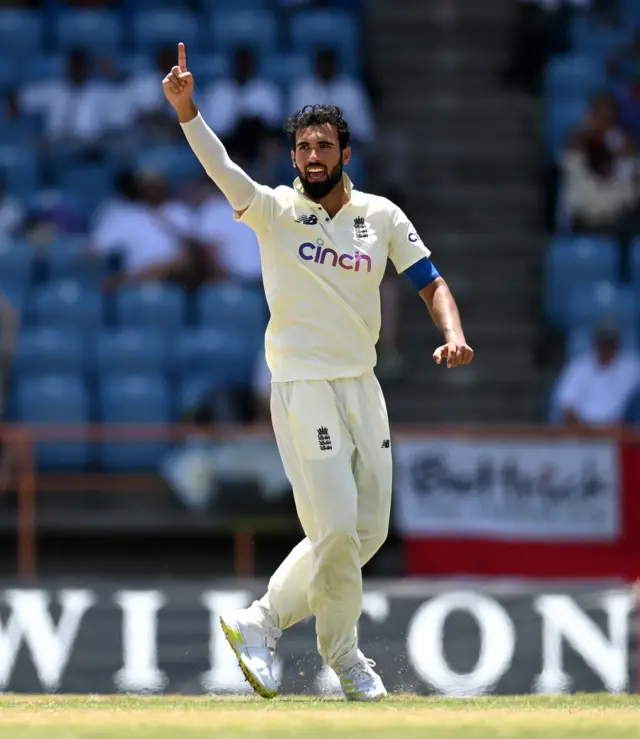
x,y
570,385
405,246
262,211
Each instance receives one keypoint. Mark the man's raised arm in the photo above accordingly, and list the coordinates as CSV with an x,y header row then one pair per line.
x,y
235,184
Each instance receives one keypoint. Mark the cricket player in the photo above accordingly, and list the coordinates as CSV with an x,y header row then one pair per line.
x,y
324,249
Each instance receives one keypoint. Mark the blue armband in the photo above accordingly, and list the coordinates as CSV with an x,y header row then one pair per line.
x,y
422,273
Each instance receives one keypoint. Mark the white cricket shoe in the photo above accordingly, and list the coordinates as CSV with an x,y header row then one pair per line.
x,y
361,683
255,648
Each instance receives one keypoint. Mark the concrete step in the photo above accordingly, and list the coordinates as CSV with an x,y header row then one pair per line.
x,y
499,242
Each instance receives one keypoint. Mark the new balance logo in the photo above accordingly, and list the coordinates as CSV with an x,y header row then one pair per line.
x,y
386,444
324,440
360,228
308,220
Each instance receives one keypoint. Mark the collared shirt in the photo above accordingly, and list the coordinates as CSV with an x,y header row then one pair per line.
x,y
322,278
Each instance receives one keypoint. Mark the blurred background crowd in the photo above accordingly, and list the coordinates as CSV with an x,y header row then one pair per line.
x,y
129,294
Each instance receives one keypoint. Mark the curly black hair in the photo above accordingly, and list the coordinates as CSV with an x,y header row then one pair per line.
x,y
316,115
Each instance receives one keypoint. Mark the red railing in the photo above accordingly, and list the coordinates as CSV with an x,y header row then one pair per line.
x,y
30,482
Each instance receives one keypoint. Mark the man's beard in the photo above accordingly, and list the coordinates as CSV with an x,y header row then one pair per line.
x,y
318,190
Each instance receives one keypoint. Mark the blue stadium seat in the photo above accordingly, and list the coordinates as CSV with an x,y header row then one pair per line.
x,y
21,33
223,357
229,307
176,162
574,75
134,399
630,13
209,68
20,170
160,27
91,184
562,117
97,30
337,29
16,262
635,263
632,414
153,305
595,40
284,69
212,6
132,350
44,67
574,260
15,293
228,29
589,304
67,258
68,303
55,399
56,350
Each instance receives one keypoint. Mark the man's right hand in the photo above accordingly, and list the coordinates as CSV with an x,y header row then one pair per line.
x,y
178,88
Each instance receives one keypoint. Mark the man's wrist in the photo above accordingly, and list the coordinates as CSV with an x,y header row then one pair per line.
x,y
187,112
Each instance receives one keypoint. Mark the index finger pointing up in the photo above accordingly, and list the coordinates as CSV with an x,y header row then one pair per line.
x,y
182,57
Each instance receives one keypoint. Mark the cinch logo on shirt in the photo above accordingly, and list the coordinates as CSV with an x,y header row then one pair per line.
x,y
316,253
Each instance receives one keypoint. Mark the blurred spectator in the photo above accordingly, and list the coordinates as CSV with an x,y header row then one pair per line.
x,y
12,214
246,112
76,110
145,101
600,176
231,246
327,85
596,388
599,189
151,235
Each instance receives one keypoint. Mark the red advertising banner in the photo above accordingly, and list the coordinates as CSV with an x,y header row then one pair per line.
x,y
519,507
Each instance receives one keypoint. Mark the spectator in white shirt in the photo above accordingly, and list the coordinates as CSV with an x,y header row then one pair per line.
x,y
246,111
150,234
596,388
76,109
329,86
232,246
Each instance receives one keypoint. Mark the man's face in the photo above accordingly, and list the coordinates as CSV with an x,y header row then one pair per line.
x,y
318,159
607,344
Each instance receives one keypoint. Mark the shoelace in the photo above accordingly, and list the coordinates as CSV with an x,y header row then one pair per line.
x,y
361,667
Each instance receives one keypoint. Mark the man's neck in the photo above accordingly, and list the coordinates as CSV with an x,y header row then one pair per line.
x,y
335,200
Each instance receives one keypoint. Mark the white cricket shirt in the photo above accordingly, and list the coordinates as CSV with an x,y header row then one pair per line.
x,y
322,278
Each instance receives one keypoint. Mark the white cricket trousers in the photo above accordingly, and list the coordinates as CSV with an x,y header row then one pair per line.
x,y
333,437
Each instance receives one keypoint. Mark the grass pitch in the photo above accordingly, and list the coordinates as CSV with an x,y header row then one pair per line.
x,y
399,717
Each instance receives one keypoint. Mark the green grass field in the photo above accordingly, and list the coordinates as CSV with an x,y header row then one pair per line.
x,y
400,717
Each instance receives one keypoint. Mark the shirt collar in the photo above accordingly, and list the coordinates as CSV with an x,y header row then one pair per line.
x,y
348,186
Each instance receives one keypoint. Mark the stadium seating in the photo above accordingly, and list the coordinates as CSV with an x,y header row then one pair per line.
x,y
223,357
56,399
573,75
69,304
16,259
154,28
228,29
336,29
152,306
574,261
67,258
21,172
134,398
98,31
589,304
54,350
132,350
21,33
232,308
